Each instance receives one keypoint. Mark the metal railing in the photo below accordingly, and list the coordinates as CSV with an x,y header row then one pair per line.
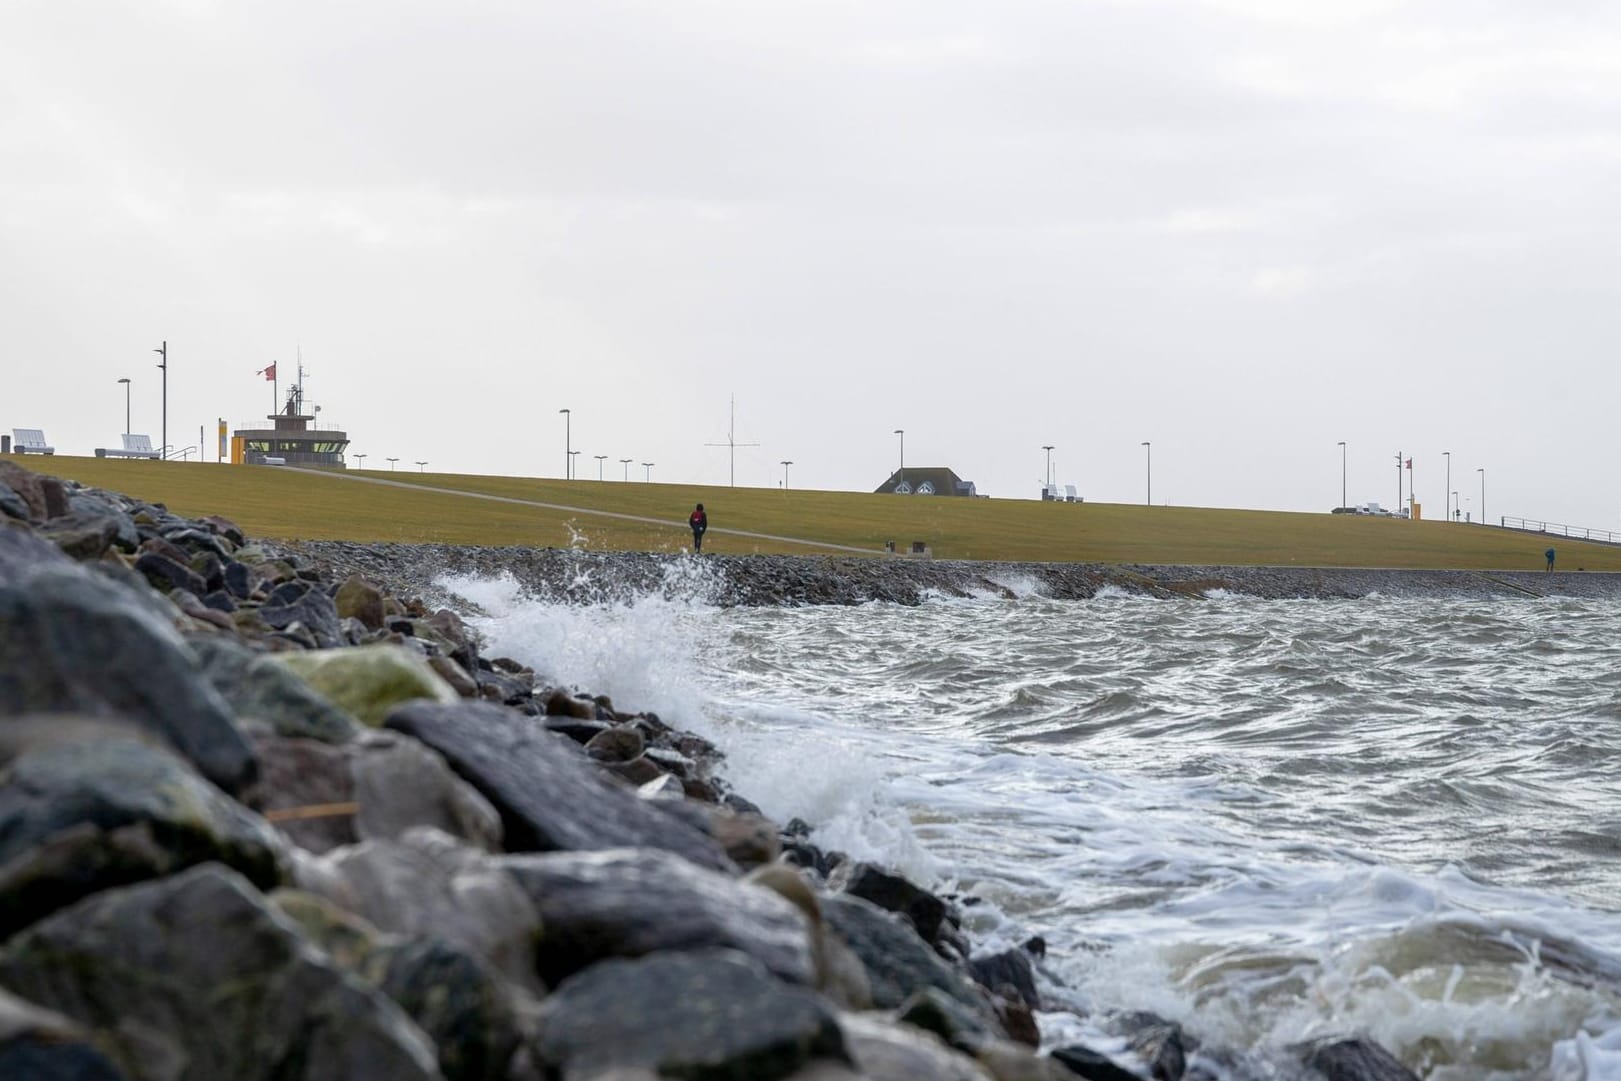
x,y
1556,529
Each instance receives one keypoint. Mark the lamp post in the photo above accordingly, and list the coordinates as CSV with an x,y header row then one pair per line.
x,y
391,462
1457,510
902,433
420,466
568,444
1342,473
125,381
649,467
1398,482
573,454
1148,452
362,459
1447,454
1048,447
1482,472
163,352
785,466
626,463
600,459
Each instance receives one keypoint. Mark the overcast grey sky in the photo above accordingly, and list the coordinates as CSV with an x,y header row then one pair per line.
x,y
1243,230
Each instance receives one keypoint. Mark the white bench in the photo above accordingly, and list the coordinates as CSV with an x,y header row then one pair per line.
x,y
30,441
135,446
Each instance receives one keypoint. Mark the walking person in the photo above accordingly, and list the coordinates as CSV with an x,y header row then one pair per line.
x,y
699,521
1549,554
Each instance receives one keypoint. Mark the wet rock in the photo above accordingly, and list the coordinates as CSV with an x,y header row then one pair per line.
x,y
1082,1061
749,839
562,704
194,976
1009,968
1353,1059
426,883
77,643
631,902
618,744
1007,1061
638,771
898,962
90,807
453,674
706,1014
402,785
1161,1044
889,1052
893,893
548,793
39,1045
581,732
935,1011
260,689
368,681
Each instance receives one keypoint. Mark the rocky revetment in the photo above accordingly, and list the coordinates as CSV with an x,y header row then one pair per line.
x,y
270,812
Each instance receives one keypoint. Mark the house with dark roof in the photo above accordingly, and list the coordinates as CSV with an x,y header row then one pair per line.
x,y
932,481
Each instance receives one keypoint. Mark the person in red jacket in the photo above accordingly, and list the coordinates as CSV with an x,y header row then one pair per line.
x,y
699,521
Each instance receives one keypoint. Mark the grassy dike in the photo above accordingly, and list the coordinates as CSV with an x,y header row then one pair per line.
x,y
424,507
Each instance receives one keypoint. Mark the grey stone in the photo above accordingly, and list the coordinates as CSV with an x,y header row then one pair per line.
x,y
1353,1059
165,573
260,689
1082,1061
1009,968
892,893
426,883
39,1045
195,978
11,504
307,790
22,551
888,1052
81,535
630,902
76,643
707,1015
401,785
313,610
898,962
549,794
95,808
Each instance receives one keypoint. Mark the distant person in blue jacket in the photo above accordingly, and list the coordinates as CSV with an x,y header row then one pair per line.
x,y
699,521
1549,554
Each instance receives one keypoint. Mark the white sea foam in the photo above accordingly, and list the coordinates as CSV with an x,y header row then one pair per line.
x,y
1282,825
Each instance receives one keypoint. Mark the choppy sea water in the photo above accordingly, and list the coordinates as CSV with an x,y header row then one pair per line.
x,y
1269,820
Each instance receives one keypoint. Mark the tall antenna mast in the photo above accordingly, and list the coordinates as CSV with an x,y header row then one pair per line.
x,y
731,440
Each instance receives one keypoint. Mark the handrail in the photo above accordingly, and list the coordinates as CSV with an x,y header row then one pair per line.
x,y
1533,525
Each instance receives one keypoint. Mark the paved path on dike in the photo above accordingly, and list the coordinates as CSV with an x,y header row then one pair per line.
x,y
682,525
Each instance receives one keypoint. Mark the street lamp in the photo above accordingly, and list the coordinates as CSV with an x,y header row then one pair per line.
x,y
626,463
568,443
1048,447
600,459
125,381
1447,454
1482,472
163,352
1457,510
361,458
1148,452
1342,473
649,467
420,465
902,433
391,462
571,456
785,466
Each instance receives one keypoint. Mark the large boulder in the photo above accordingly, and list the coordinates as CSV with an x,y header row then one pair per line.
x,y
92,806
38,1045
708,1015
631,902
472,1016
426,883
401,785
260,689
195,978
549,794
369,681
898,962
78,643
893,893
1351,1058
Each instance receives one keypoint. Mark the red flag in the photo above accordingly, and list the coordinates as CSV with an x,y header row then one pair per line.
x,y
1409,461
270,372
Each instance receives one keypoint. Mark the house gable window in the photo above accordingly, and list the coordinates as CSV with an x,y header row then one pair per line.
x,y
926,488
903,488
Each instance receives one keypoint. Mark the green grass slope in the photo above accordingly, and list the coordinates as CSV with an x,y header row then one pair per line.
x,y
443,508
